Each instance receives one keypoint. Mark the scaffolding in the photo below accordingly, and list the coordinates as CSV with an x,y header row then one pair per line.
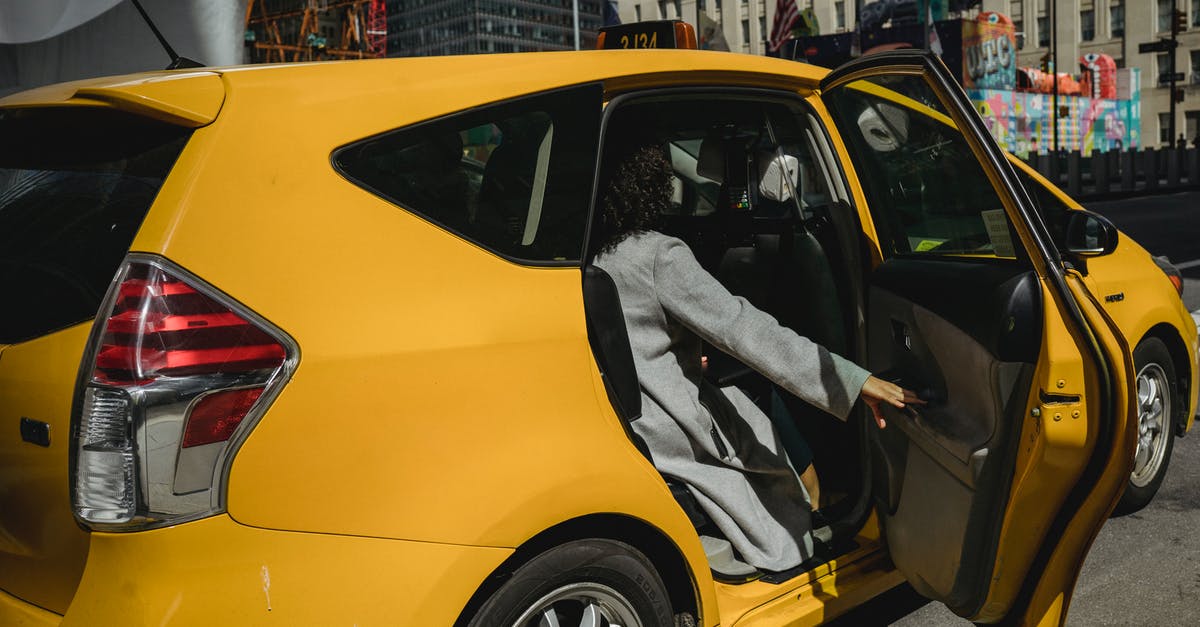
x,y
279,31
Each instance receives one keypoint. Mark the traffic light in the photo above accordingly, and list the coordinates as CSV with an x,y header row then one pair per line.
x,y
1178,22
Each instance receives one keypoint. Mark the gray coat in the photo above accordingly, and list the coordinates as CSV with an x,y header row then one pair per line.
x,y
746,484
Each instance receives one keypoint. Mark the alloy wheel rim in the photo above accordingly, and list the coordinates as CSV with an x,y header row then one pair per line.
x,y
1154,410
584,604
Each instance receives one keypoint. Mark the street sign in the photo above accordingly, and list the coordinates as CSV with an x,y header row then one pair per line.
x,y
1162,45
1167,78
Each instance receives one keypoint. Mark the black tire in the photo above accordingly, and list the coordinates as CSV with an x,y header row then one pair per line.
x,y
1156,383
606,576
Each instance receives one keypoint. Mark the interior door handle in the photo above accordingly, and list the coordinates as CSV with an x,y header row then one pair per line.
x,y
927,393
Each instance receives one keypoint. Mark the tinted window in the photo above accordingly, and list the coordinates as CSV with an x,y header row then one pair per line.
x,y
1054,211
515,178
927,192
75,185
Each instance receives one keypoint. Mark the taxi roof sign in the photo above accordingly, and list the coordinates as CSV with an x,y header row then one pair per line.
x,y
646,35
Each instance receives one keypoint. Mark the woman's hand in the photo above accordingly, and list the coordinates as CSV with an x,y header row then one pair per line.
x,y
876,391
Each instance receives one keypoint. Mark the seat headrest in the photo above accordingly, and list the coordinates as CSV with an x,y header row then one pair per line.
x,y
778,175
711,162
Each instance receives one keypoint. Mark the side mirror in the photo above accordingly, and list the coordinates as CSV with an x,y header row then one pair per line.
x,y
1089,234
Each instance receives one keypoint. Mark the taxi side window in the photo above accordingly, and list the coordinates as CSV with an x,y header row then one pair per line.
x,y
927,192
1054,211
514,177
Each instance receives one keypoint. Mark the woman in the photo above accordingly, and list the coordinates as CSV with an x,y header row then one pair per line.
x,y
717,442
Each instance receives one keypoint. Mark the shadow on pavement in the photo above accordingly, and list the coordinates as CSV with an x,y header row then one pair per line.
x,y
884,609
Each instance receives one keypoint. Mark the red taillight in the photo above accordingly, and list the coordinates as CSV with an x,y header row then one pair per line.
x,y
215,417
176,371
160,326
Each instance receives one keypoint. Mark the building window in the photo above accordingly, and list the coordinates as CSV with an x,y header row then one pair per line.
x,y
1195,12
637,13
1164,14
1195,58
1116,18
1043,28
839,15
662,9
1191,122
1087,25
1164,129
1164,65
745,33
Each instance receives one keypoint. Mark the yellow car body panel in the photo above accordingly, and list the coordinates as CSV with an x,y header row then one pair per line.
x,y
821,594
16,612
1049,597
1056,442
215,571
42,552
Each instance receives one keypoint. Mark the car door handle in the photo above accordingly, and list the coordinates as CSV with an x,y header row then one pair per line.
x,y
927,393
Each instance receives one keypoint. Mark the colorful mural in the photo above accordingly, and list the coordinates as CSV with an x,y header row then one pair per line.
x,y
989,52
1021,121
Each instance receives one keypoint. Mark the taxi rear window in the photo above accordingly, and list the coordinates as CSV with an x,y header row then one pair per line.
x,y
75,185
515,177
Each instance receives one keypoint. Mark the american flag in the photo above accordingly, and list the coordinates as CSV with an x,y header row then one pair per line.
x,y
786,14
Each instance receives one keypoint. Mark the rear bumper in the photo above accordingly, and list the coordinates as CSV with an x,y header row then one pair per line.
x,y
216,571
16,613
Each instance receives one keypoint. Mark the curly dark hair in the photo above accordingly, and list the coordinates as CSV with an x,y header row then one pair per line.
x,y
636,193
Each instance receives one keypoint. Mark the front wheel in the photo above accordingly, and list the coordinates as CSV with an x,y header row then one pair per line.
x,y
1157,401
586,582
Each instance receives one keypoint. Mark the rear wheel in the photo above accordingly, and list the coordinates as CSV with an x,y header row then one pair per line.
x,y
1157,401
586,582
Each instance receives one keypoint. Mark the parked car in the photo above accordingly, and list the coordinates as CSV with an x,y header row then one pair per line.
x,y
318,344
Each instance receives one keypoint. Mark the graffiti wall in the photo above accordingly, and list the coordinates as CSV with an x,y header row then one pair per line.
x,y
1021,121
989,53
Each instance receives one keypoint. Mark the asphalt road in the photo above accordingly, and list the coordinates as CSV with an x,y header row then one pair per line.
x,y
1144,568
1164,225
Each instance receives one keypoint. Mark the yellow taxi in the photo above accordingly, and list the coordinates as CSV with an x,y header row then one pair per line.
x,y
321,344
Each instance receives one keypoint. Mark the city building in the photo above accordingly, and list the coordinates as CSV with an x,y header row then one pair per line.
x,y
745,24
1116,28
1113,27
438,27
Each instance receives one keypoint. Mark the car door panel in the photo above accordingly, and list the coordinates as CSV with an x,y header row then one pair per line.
x,y
980,490
950,455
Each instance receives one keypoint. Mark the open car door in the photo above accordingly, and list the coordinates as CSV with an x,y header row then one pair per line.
x,y
991,494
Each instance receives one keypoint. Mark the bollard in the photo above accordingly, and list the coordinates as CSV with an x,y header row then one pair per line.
x,y
1074,176
1150,168
1043,167
1100,161
1172,156
1128,174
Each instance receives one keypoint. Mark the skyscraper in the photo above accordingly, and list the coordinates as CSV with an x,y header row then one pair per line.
x,y
436,27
